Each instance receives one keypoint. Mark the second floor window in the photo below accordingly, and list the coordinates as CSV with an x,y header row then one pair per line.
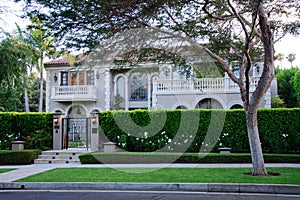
x,y
77,78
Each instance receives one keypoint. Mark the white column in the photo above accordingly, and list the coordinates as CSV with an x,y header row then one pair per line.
x,y
126,100
107,88
48,91
94,132
149,94
154,99
268,99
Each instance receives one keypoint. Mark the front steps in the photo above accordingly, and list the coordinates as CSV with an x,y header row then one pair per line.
x,y
60,157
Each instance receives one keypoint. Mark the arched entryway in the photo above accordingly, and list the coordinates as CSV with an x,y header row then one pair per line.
x,y
76,128
182,107
209,103
236,106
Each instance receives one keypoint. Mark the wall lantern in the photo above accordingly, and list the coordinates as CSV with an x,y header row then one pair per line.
x,y
166,71
94,116
55,120
55,77
97,75
94,119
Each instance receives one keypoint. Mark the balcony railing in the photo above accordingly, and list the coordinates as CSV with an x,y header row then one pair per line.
x,y
200,85
74,93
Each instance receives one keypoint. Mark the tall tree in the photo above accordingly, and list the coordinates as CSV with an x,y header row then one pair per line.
x,y
296,84
291,57
288,87
15,57
33,54
236,30
280,57
41,39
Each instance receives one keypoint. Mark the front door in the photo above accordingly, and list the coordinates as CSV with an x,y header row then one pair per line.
x,y
76,133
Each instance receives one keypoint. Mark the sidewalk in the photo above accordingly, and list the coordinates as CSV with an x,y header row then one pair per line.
x,y
22,171
7,178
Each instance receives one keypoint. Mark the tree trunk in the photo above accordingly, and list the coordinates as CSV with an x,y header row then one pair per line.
x,y
41,92
258,164
26,100
41,82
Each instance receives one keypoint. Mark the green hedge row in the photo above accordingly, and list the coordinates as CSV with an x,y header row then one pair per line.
x,y
34,128
24,157
172,130
135,157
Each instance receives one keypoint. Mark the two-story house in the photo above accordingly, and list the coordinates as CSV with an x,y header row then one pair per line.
x,y
80,90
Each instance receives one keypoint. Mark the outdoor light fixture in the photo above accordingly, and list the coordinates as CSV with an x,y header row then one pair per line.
x,y
97,75
55,120
55,77
166,71
94,116
78,112
94,119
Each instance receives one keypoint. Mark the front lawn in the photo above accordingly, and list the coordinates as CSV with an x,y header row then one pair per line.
x,y
5,170
165,175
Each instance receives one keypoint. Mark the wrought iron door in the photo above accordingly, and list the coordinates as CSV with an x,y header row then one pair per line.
x,y
76,133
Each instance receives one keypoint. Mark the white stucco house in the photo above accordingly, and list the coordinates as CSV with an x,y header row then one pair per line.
x,y
78,91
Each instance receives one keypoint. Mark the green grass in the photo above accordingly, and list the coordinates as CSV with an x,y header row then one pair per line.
x,y
166,175
5,170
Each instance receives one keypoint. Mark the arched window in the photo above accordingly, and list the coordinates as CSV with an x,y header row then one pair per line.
x,y
121,86
138,86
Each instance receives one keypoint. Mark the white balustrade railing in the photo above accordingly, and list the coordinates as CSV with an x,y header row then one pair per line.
x,y
74,91
200,85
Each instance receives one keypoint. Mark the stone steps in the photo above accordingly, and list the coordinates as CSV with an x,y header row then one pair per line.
x,y
60,157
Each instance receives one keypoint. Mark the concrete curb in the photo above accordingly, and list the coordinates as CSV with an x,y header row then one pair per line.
x,y
193,187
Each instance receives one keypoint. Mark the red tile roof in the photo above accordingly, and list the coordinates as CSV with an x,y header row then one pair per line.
x,y
64,61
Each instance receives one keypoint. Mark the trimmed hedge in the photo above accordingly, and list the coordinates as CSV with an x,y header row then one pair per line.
x,y
35,129
24,157
279,130
132,158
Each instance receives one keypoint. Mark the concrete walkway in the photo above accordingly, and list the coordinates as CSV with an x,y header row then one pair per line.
x,y
22,171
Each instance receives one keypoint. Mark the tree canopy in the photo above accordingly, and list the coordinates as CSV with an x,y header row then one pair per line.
x,y
81,24
231,30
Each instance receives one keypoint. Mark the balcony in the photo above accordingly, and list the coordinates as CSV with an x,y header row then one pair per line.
x,y
74,93
202,85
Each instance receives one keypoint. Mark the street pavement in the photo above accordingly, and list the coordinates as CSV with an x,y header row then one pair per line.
x,y
135,195
21,171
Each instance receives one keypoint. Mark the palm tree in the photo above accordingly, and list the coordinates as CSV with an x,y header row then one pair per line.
x,y
15,57
291,57
280,57
43,42
32,53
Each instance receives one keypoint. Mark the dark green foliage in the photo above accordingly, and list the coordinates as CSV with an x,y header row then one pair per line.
x,y
287,87
279,130
131,158
24,157
34,128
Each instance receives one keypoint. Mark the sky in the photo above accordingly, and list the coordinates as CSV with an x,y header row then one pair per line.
x,y
289,44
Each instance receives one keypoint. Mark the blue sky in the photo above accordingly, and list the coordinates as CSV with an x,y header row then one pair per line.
x,y
287,45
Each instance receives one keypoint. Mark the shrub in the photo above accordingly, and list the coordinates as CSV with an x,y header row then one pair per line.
x,y
279,130
24,157
34,128
135,157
